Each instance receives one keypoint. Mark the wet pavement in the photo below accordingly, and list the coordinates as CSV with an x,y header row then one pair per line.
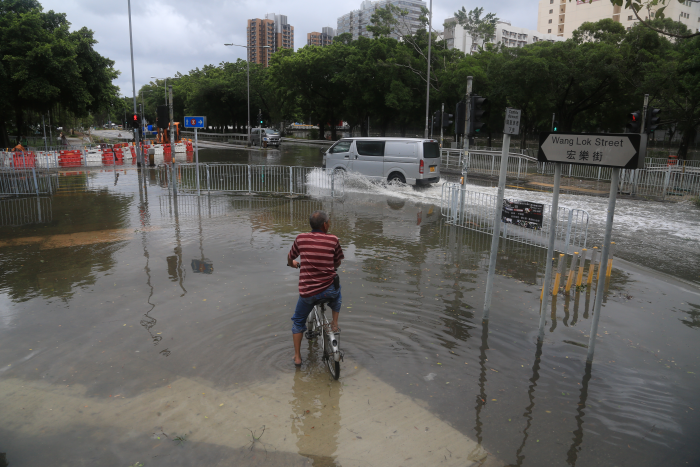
x,y
129,334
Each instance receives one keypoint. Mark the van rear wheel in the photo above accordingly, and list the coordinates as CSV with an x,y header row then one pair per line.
x,y
396,177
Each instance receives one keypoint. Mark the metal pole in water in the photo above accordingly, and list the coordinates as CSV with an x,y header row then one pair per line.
x,y
550,250
139,154
196,155
427,92
496,226
44,126
603,260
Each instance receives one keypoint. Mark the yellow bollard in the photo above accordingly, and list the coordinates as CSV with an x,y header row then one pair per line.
x,y
591,268
572,271
557,278
582,261
610,259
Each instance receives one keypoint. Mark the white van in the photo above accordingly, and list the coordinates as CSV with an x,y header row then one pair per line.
x,y
415,161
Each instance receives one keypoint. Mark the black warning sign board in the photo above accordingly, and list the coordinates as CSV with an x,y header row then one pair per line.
x,y
523,214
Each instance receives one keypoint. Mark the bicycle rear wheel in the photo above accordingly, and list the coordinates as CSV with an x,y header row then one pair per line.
x,y
329,357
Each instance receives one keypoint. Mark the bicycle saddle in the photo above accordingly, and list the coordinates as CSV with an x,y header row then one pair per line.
x,y
323,301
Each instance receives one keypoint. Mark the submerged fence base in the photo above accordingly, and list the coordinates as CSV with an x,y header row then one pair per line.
x,y
474,210
243,178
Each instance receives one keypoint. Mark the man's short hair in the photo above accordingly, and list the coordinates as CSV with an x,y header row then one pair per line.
x,y
317,219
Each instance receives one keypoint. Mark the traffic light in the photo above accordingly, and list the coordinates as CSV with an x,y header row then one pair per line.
x,y
555,126
478,113
651,122
260,119
634,123
460,117
163,117
134,121
447,119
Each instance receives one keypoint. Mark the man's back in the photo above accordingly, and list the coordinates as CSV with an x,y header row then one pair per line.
x,y
319,253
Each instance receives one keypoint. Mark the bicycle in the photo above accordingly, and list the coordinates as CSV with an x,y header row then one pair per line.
x,y
319,326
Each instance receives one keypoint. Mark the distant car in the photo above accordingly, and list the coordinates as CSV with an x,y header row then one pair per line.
x,y
59,128
268,135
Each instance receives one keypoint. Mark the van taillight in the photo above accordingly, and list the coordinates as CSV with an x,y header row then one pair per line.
x,y
422,166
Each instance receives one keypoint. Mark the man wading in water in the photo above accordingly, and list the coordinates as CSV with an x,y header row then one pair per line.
x,y
320,255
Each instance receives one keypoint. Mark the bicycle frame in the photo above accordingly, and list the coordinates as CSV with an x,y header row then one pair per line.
x,y
324,329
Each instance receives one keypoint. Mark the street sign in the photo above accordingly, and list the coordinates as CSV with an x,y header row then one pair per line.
x,y
195,122
599,149
512,122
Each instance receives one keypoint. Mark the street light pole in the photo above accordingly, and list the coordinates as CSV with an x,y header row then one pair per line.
x,y
133,84
427,94
247,61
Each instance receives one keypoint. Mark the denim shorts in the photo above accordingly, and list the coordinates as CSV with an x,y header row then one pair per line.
x,y
306,304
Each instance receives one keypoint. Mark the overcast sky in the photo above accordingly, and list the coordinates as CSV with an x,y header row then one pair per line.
x,y
181,35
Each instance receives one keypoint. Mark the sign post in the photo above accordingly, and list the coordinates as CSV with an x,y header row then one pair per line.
x,y
196,122
598,149
512,127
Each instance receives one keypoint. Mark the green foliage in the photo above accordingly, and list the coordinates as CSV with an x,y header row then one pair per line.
x,y
44,66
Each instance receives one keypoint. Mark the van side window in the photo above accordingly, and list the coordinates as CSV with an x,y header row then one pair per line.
x,y
370,148
341,146
401,148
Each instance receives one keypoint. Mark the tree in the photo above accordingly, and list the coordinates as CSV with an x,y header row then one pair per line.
x,y
479,29
44,66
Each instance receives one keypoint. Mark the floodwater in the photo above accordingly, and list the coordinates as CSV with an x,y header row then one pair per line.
x,y
130,334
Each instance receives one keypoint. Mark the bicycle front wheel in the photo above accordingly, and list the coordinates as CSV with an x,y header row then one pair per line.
x,y
329,356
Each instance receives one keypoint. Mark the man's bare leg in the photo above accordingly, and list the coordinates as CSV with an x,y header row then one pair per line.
x,y
297,347
334,323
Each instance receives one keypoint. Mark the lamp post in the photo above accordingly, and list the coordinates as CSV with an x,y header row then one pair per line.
x,y
133,84
247,61
427,93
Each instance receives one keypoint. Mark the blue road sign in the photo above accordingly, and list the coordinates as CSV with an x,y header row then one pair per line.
x,y
195,122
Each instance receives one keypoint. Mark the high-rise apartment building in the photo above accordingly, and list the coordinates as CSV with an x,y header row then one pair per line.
x,y
266,36
356,21
506,34
320,38
562,17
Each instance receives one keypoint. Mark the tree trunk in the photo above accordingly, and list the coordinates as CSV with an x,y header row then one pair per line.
x,y
688,136
363,128
4,138
334,129
19,121
321,130
403,130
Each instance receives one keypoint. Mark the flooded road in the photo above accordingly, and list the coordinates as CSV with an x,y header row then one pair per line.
x,y
129,334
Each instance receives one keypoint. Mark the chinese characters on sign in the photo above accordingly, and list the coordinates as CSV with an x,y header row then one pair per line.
x,y
511,126
523,214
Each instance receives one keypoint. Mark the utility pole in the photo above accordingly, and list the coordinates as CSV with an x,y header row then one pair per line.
x,y
172,124
442,122
465,141
427,93
554,116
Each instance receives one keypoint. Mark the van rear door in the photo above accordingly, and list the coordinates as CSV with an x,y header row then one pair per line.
x,y
431,158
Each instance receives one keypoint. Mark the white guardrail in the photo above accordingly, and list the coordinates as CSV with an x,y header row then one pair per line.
x,y
475,210
660,178
244,178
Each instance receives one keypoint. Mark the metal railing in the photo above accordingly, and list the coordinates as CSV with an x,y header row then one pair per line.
x,y
486,162
475,210
25,211
25,181
217,137
243,178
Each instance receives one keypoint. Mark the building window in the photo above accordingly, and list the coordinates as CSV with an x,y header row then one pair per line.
x,y
629,18
550,21
549,31
551,11
551,1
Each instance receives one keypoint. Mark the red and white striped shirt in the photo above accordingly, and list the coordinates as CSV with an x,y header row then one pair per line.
x,y
319,252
